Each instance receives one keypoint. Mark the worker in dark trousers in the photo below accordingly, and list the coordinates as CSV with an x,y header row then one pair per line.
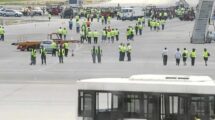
x,y
136,29
120,51
206,55
165,56
60,32
117,34
33,56
177,56
123,50
43,55
66,48
95,36
128,51
193,56
61,53
93,53
89,36
54,48
99,54
185,56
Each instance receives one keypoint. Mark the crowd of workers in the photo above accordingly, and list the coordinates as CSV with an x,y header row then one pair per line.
x,y
155,22
184,55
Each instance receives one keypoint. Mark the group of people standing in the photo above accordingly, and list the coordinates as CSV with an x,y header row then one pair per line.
x,y
184,55
96,53
124,50
62,52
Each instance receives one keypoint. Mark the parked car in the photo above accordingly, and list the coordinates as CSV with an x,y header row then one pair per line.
x,y
37,11
12,13
47,45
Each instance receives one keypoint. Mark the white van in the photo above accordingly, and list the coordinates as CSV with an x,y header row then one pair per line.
x,y
131,13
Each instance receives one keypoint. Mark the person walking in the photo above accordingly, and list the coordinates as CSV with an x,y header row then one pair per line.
x,y
93,53
140,27
185,56
120,51
117,34
33,56
128,52
89,36
123,50
66,48
64,33
1,33
99,54
61,53
95,36
43,55
77,27
206,55
60,33
178,57
165,56
54,48
49,17
193,56
70,24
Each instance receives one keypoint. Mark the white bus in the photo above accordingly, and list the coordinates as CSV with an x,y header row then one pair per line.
x,y
146,97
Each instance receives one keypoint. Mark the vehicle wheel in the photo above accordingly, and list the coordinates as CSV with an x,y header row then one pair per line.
x,y
0,14
16,15
4,15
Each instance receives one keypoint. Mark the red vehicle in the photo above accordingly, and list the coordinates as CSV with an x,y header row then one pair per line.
x,y
54,9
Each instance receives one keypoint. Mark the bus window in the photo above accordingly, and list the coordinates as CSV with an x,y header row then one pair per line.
x,y
103,102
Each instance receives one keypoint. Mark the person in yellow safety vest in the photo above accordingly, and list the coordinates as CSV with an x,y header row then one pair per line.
x,y
162,22
197,117
54,48
2,32
112,32
64,33
165,15
33,56
77,18
120,51
185,56
123,50
108,19
128,51
89,36
60,32
93,53
104,35
66,48
61,53
95,36
140,28
158,25
49,16
193,56
206,55
154,24
43,55
102,19
139,21
99,54
117,34
143,21
109,36
82,36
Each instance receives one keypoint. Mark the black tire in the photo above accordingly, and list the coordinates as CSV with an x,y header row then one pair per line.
x,y
16,15
4,15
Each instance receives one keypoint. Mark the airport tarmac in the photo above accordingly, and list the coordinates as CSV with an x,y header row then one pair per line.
x,y
45,92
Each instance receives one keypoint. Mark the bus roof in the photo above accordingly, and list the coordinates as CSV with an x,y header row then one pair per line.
x,y
152,83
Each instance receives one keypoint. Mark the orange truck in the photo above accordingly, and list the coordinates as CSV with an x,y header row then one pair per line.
x,y
28,45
